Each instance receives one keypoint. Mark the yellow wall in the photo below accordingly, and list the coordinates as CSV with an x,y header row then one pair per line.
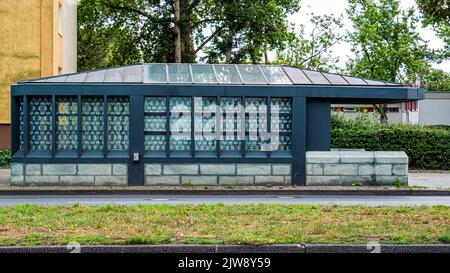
x,y
30,46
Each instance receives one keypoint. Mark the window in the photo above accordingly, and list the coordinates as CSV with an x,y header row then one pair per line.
x,y
92,123
205,123
60,19
281,124
180,123
41,123
155,123
255,123
231,123
118,123
66,123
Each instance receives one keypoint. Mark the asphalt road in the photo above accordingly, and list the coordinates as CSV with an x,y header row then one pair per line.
x,y
252,199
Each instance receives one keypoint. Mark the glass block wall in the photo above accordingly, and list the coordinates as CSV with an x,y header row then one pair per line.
x,y
180,123
67,123
155,123
40,123
92,123
231,123
204,124
118,123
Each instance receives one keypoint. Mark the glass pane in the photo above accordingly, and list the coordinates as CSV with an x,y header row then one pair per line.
x,y
118,123
281,122
180,123
67,123
275,75
155,142
231,111
179,73
155,73
251,74
281,105
92,123
155,123
155,104
180,104
227,74
21,123
281,143
41,123
205,104
203,73
255,123
180,143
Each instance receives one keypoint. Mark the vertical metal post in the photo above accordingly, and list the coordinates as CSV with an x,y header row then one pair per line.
x,y
298,140
218,131
269,124
136,145
26,125
243,124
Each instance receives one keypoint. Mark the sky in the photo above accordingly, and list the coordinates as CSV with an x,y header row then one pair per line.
x,y
337,7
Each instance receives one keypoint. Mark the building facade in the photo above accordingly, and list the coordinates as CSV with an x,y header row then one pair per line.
x,y
194,124
403,112
435,109
38,39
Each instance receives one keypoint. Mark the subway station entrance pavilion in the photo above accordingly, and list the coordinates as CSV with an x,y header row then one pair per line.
x,y
175,124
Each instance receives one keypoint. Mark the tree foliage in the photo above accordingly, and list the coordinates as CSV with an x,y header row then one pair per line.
x,y
385,44
313,50
437,14
437,80
125,31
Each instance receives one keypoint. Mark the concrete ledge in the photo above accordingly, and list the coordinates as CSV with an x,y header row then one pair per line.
x,y
290,248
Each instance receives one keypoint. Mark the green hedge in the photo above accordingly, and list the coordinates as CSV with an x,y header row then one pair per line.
x,y
5,158
427,147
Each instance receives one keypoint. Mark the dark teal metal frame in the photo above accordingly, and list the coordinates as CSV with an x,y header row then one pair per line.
x,y
310,120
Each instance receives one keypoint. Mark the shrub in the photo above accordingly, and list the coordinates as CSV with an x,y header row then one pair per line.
x,y
5,158
428,147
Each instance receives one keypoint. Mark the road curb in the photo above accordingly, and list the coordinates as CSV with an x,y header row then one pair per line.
x,y
291,248
231,192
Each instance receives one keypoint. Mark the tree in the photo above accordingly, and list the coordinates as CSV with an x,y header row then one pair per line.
x,y
437,14
249,29
385,44
174,30
436,11
437,80
313,50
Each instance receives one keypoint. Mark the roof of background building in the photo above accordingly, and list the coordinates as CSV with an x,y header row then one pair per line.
x,y
224,74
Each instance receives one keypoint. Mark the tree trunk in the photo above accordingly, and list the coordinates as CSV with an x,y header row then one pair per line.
x,y
229,49
177,32
382,110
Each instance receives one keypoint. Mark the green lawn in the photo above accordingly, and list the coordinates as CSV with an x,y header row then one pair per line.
x,y
222,224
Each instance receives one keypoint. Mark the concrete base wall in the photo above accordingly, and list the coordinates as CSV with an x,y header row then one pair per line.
x,y
218,174
69,174
348,168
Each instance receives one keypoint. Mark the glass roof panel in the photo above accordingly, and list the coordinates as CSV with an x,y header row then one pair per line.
x,y
227,74
179,73
251,74
203,73
155,73
275,75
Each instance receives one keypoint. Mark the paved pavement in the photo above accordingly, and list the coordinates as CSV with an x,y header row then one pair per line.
x,y
435,180
247,199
